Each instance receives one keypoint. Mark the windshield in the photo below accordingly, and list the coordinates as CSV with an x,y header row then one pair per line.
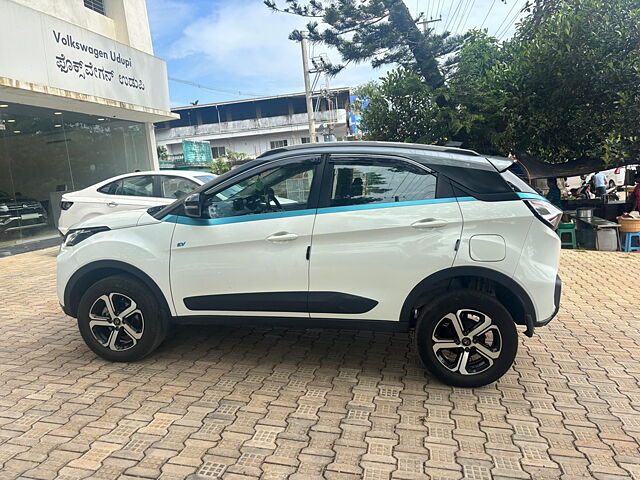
x,y
205,178
516,183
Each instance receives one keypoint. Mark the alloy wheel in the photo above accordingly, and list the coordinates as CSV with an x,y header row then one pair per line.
x,y
466,342
116,322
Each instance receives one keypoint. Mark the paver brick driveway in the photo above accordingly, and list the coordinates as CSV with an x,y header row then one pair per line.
x,y
276,403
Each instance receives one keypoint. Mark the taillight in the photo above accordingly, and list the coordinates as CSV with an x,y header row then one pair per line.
x,y
545,211
65,205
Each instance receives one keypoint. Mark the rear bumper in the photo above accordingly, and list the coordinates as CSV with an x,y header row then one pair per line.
x,y
556,299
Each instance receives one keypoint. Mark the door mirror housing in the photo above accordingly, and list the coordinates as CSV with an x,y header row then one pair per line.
x,y
193,205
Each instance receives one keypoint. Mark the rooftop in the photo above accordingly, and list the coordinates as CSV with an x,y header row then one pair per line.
x,y
255,99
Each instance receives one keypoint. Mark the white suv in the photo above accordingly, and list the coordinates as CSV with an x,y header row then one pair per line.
x,y
341,235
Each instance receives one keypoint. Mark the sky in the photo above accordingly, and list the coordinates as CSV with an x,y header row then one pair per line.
x,y
241,48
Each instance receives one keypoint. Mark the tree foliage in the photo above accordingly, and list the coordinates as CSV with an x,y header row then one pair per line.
x,y
565,89
380,31
226,162
571,83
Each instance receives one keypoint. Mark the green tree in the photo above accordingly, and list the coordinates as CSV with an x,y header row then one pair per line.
x,y
163,153
226,162
402,108
476,104
380,31
571,82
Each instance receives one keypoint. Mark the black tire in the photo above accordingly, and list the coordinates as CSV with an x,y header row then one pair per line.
x,y
612,184
150,323
500,340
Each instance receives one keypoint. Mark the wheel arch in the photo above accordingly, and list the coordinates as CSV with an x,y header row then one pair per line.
x,y
87,275
515,299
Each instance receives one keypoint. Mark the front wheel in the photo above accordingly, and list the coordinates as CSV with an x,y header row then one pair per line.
x,y
120,319
466,338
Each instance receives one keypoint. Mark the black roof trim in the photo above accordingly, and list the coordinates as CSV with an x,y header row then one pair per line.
x,y
411,146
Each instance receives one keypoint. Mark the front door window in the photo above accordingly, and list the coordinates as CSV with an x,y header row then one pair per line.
x,y
279,189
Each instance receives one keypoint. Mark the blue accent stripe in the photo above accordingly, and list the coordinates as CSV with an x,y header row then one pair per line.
x,y
533,196
240,219
182,220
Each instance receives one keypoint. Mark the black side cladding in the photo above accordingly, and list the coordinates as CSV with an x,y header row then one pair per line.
x,y
300,302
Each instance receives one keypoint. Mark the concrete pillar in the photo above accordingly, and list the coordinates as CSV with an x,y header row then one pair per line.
x,y
151,145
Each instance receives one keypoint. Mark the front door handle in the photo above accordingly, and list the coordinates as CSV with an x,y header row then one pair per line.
x,y
112,204
282,237
428,223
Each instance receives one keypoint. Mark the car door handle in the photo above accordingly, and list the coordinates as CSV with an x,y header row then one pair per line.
x,y
112,204
427,223
282,237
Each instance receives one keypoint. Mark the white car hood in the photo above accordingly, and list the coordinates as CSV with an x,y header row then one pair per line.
x,y
116,220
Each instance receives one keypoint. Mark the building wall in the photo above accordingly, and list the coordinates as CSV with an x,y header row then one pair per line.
x,y
253,136
126,21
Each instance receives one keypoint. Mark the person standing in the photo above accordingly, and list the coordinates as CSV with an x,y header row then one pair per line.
x,y
600,182
554,195
636,194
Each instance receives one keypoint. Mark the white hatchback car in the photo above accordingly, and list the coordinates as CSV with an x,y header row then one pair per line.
x,y
127,192
342,235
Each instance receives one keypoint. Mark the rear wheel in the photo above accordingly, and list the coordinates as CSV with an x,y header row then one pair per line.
x,y
120,319
466,338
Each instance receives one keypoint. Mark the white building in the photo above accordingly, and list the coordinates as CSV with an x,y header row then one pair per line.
x,y
256,125
80,90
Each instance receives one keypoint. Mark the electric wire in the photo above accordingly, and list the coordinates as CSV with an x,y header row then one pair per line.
x,y
487,15
499,29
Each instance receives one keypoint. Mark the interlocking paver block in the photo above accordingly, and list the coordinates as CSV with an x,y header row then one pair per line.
x,y
236,403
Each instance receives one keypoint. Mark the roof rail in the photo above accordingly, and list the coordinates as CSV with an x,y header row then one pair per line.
x,y
415,146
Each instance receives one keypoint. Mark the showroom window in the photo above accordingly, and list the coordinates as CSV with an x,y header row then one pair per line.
x,y
357,182
45,153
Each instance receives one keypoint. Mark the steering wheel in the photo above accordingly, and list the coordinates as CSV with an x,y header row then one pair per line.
x,y
271,196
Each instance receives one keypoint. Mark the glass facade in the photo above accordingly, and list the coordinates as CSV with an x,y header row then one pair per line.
x,y
44,153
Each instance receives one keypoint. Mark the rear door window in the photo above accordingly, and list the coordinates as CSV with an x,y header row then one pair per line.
x,y
361,181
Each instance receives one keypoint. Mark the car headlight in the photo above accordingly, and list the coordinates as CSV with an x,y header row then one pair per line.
x,y
74,237
4,208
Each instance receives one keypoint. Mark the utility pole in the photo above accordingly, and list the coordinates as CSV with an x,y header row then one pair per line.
x,y
424,23
307,88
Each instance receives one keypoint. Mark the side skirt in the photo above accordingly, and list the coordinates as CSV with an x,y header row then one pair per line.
x,y
293,322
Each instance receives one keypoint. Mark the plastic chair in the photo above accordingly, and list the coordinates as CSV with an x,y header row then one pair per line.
x,y
628,241
569,229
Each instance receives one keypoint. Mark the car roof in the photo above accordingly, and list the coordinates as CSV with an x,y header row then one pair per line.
x,y
172,173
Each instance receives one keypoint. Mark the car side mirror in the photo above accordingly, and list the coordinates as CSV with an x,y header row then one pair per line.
x,y
193,205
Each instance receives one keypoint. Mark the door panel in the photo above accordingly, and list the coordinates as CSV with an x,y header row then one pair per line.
x,y
247,255
377,249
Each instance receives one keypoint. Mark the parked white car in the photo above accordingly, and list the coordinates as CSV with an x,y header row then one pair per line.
x,y
128,192
371,235
615,177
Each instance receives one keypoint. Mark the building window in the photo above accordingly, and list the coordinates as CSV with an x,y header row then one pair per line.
x,y
95,5
218,151
279,143
308,139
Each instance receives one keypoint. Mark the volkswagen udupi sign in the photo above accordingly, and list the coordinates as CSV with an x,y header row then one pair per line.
x,y
38,48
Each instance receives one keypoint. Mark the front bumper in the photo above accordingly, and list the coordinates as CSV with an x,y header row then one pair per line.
x,y
9,223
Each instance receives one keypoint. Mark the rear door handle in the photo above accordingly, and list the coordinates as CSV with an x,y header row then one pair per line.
x,y
428,223
282,237
112,204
